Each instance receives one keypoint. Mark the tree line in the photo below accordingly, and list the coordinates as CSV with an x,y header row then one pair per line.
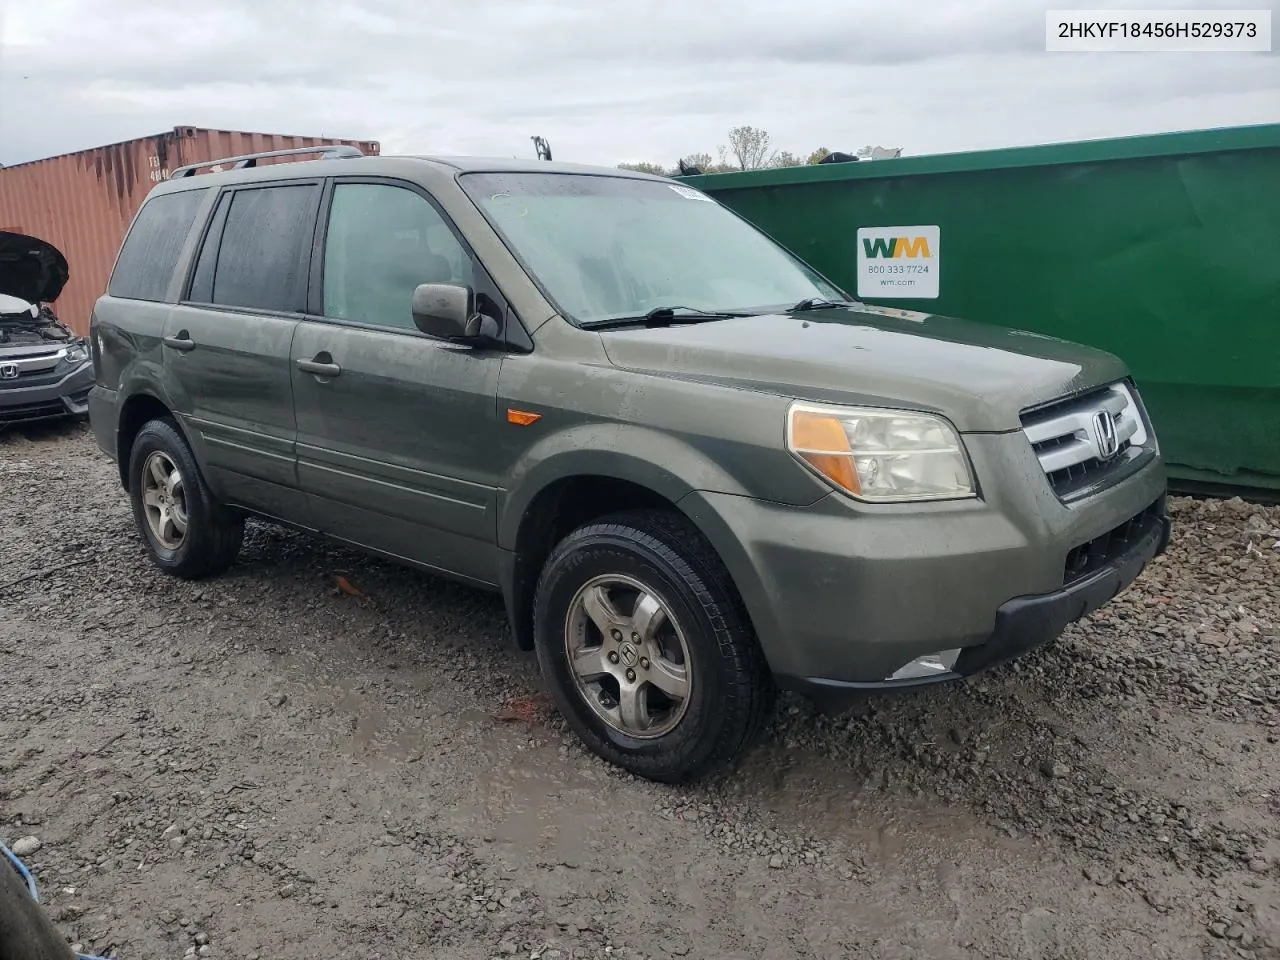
x,y
748,148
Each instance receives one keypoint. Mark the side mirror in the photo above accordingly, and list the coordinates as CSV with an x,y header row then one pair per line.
x,y
446,311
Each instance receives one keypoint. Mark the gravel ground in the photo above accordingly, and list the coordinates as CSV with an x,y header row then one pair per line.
x,y
279,764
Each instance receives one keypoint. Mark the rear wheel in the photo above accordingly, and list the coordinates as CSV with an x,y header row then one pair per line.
x,y
648,652
186,533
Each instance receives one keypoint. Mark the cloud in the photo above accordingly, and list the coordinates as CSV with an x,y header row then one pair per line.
x,y
604,81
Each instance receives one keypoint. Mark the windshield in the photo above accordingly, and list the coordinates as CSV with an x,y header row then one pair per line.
x,y
605,248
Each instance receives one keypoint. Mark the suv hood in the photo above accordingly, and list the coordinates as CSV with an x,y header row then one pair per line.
x,y
31,269
978,376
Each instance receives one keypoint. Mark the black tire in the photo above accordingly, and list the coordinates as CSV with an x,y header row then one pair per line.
x,y
213,535
732,692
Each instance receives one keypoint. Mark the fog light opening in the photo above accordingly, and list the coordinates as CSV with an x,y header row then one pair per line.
x,y
930,665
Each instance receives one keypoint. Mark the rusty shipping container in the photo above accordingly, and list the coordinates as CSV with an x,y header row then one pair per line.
x,y
83,202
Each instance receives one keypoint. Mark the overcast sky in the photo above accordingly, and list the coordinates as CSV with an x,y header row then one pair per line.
x,y
603,80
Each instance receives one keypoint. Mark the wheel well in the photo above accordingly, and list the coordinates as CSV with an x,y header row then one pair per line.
x,y
138,411
554,513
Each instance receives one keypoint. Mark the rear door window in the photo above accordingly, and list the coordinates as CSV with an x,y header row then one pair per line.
x,y
150,252
257,250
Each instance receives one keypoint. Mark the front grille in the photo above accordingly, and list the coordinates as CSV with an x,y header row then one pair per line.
x,y
1070,442
1079,474
29,365
1097,553
42,379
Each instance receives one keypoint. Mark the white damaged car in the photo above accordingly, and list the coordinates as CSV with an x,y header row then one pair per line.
x,y
45,369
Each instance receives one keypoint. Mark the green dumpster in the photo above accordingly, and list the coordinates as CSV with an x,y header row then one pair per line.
x,y
1162,249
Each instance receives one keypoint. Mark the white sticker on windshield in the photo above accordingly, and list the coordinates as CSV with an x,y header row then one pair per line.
x,y
689,194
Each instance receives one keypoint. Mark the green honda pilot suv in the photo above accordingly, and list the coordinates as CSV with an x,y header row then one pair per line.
x,y
696,471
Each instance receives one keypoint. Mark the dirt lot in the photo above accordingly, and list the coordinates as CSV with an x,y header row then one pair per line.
x,y
267,765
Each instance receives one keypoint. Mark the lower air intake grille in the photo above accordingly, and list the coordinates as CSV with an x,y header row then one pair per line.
x,y
1100,551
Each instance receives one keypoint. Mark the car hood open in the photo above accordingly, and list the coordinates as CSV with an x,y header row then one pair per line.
x,y
31,269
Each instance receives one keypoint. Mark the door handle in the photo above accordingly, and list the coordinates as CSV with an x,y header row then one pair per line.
x,y
182,342
318,368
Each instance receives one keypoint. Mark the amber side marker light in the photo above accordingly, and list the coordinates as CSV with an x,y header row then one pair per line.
x,y
821,441
522,418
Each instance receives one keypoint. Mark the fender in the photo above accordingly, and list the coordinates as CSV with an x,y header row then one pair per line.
x,y
650,458
147,378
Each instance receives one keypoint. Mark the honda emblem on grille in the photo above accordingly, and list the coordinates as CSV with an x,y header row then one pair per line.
x,y
1104,434
8,371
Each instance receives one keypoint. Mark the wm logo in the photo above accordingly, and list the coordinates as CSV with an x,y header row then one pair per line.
x,y
896,247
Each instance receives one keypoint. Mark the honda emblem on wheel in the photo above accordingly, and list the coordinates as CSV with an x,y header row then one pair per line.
x,y
8,371
1104,434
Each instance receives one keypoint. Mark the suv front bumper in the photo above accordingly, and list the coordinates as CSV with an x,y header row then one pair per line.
x,y
847,597
65,397
1022,624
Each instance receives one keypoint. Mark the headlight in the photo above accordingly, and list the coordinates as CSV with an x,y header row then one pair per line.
x,y
76,354
881,455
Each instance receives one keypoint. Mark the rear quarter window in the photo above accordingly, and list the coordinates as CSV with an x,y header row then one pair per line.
x,y
258,248
154,244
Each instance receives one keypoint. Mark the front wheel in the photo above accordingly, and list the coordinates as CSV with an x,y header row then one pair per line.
x,y
186,532
647,650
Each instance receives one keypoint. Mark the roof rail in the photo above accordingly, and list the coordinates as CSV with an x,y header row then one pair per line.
x,y
335,150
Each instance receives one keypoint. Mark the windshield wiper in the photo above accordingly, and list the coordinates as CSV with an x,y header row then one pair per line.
x,y
817,303
665,316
